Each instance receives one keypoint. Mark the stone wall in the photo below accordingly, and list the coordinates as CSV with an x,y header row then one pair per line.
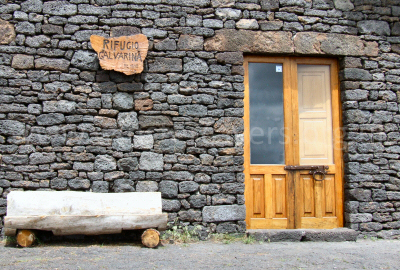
x,y
177,128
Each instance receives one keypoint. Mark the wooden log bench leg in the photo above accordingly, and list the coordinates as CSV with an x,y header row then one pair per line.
x,y
151,238
25,238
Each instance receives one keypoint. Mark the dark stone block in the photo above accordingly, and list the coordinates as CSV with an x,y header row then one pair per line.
x,y
168,189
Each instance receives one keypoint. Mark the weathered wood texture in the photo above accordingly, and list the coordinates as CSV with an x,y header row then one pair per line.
x,y
150,238
124,54
69,212
41,203
25,238
89,225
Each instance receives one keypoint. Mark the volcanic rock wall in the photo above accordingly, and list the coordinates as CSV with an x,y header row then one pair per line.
x,y
177,128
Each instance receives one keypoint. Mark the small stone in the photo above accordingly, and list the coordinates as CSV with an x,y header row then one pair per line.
x,y
21,61
12,128
122,101
171,205
269,4
247,24
154,121
143,104
195,65
85,60
128,164
197,201
228,13
213,23
105,163
41,158
61,8
344,5
62,106
57,87
168,189
52,64
143,142
188,186
380,28
193,110
147,186
215,141
32,6
50,119
37,41
58,183
104,122
171,146
79,183
7,32
111,176
190,215
150,161
52,29
122,144
235,58
164,65
120,31
224,213
123,185
229,125
165,45
128,121
100,186
222,3
190,43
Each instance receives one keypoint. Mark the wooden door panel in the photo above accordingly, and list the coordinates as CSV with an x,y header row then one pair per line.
x,y
277,198
269,200
279,195
264,223
329,188
315,114
308,196
316,202
319,223
313,146
259,196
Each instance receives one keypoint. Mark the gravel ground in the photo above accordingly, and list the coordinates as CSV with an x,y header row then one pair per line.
x,y
363,254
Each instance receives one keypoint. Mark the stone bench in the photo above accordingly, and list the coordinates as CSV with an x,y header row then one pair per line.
x,y
72,212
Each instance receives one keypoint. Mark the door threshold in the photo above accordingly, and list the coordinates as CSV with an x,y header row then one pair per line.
x,y
304,235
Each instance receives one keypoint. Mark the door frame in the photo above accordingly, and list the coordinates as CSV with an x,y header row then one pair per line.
x,y
289,64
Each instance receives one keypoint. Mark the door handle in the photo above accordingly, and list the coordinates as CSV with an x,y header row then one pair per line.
x,y
314,170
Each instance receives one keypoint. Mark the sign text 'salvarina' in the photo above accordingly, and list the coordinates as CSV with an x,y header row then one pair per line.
x,y
125,54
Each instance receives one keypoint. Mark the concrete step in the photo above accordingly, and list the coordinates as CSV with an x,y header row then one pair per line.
x,y
297,235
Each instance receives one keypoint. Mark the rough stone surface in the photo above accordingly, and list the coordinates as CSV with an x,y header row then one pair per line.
x,y
21,61
128,121
250,41
150,161
123,101
143,142
85,60
66,124
224,213
333,44
52,64
7,32
105,163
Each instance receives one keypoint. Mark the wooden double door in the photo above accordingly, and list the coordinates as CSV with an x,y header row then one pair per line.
x,y
293,157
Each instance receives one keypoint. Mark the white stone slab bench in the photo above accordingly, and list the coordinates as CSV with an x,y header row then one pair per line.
x,y
73,212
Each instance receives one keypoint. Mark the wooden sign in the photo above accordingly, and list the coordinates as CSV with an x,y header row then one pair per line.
x,y
124,54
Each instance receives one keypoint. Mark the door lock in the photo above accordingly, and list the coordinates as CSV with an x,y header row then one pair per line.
x,y
317,171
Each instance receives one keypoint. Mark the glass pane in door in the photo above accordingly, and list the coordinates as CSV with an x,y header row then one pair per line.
x,y
266,113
